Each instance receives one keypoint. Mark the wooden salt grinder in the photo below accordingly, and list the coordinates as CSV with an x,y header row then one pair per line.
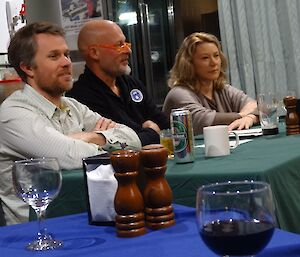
x,y
157,193
292,117
129,204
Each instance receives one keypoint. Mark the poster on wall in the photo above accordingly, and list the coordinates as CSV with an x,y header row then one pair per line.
x,y
10,21
76,12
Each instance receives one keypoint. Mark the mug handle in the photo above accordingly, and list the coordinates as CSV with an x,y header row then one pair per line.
x,y
237,140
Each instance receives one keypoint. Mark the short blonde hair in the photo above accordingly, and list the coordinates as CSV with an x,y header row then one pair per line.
x,y
183,73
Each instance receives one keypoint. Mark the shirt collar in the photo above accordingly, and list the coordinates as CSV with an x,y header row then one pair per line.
x,y
43,103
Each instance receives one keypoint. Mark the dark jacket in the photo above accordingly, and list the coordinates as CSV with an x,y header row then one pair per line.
x,y
132,108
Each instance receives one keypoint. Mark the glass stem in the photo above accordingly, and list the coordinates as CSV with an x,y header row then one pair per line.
x,y
41,214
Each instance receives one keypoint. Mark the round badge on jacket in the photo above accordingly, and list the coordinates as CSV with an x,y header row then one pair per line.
x,y
136,95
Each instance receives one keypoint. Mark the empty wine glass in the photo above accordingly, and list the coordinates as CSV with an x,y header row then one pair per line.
x,y
37,182
235,218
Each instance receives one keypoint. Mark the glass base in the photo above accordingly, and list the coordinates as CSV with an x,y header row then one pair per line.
x,y
44,245
270,131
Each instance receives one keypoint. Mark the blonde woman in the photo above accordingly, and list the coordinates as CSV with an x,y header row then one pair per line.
x,y
198,82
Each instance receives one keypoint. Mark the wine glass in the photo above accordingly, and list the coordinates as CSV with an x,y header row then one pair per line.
x,y
235,218
37,182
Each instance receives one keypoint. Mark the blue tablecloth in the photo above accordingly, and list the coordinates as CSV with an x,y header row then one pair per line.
x,y
83,240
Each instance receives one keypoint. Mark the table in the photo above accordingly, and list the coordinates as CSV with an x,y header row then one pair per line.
x,y
81,239
71,198
273,159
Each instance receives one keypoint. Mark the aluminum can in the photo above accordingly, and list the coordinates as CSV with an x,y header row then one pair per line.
x,y
183,135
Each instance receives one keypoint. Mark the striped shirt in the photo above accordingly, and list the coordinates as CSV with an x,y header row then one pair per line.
x,y
32,127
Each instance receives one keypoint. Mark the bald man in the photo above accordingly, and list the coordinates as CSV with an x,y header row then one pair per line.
x,y
106,87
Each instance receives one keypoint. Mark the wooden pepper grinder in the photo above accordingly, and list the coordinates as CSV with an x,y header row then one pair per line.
x,y
157,193
292,117
129,204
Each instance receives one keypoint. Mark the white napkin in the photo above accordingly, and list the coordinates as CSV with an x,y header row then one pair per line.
x,y
102,187
248,132
231,143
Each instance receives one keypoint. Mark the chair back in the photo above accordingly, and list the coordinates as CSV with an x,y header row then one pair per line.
x,y
2,218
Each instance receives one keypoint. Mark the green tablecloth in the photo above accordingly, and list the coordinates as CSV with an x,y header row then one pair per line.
x,y
273,159
72,196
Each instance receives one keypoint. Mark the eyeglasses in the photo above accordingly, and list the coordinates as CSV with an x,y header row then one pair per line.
x,y
119,48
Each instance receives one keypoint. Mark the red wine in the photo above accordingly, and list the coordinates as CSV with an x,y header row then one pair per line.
x,y
237,237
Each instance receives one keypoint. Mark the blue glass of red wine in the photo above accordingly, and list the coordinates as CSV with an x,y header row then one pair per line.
x,y
235,218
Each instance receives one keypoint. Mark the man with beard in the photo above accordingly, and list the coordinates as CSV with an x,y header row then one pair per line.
x,y
39,122
106,87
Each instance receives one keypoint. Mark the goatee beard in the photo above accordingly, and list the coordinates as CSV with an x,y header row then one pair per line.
x,y
127,70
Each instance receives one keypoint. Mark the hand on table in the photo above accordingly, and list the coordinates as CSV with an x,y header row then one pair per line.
x,y
243,123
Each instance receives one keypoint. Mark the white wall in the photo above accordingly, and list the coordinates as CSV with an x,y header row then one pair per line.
x,y
4,39
15,7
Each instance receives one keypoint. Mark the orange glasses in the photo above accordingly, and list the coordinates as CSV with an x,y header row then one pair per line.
x,y
119,48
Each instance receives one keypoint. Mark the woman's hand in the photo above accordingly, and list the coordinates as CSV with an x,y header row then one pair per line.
x,y
248,108
243,123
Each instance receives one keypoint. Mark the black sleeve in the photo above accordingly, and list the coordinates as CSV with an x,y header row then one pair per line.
x,y
148,136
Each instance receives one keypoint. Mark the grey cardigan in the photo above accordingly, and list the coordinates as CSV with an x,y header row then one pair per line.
x,y
223,109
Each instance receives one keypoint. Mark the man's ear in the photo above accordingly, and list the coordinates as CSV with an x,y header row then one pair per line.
x,y
27,69
93,53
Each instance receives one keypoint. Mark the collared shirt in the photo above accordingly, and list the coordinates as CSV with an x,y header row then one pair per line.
x,y
32,127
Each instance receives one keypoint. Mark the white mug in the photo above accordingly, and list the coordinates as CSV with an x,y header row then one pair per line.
x,y
216,140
